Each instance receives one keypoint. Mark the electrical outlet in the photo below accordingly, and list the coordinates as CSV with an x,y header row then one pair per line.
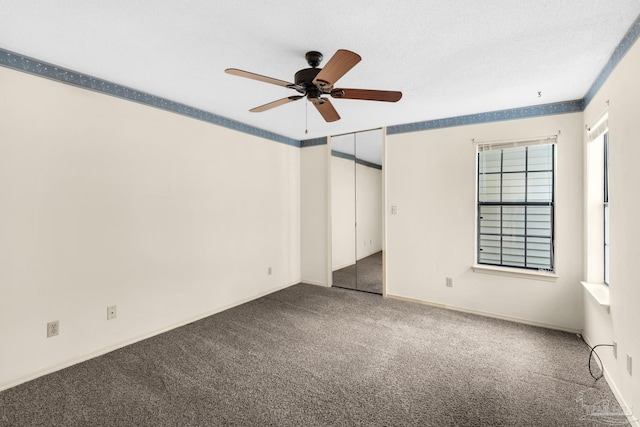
x,y
629,365
53,328
394,210
269,271
449,282
615,349
111,312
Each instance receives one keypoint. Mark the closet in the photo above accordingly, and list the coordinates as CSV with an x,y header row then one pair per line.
x,y
356,210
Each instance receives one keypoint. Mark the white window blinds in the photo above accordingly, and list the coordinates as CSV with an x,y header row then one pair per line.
x,y
499,145
599,127
516,203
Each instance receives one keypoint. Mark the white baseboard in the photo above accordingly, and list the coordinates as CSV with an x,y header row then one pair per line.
x,y
514,319
487,314
632,418
108,349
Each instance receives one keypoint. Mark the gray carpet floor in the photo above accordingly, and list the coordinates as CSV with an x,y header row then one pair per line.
x,y
314,356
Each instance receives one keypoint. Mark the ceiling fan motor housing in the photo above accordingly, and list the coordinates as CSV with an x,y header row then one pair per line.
x,y
304,78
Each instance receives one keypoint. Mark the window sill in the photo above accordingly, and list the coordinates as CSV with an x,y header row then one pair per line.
x,y
599,292
515,272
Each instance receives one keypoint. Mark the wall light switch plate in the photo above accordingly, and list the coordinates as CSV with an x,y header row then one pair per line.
x,y
394,210
111,312
629,365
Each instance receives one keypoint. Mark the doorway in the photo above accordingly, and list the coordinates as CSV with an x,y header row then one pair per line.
x,y
356,211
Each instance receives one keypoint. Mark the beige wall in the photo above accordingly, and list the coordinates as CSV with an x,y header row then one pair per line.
x,y
343,213
622,324
108,202
314,202
431,178
368,210
356,197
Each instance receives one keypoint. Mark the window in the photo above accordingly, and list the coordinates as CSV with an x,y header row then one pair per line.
x,y
605,204
597,206
516,204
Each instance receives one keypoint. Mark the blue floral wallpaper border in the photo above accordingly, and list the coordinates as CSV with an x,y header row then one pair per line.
x,y
60,74
313,142
493,116
619,52
362,162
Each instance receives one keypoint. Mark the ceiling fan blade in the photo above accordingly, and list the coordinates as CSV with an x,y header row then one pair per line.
x,y
367,94
258,77
341,62
325,108
274,104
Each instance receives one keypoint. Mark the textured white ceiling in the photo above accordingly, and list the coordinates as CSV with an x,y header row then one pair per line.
x,y
449,58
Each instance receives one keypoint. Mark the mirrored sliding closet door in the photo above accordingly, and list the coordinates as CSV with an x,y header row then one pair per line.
x,y
356,204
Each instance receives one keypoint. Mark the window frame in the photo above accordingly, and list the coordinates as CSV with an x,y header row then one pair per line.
x,y
552,142
606,266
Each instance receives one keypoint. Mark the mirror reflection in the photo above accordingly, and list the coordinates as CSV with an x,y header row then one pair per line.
x,y
356,192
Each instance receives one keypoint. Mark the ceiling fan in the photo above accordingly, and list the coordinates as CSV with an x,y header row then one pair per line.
x,y
314,82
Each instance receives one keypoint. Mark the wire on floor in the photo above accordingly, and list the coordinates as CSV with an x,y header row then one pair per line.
x,y
591,353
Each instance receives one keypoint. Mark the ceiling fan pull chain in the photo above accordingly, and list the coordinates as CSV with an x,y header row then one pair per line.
x,y
306,118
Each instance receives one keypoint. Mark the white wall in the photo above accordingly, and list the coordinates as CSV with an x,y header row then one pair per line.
x,y
622,90
356,197
343,213
368,210
105,202
431,178
314,202
108,202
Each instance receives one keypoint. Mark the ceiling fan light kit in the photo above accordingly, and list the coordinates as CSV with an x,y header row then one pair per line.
x,y
314,82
